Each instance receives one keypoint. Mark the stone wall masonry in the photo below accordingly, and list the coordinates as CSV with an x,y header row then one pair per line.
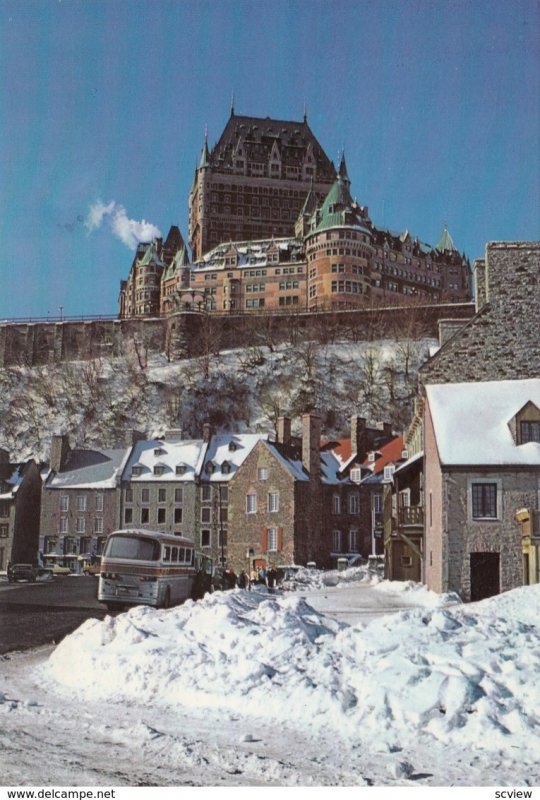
x,y
192,333
518,489
502,342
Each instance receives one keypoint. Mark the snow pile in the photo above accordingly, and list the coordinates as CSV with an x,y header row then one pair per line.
x,y
466,674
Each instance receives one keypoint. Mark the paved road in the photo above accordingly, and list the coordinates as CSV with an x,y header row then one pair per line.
x,y
33,614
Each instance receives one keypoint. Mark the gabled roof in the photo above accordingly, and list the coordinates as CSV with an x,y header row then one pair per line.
x,y
220,451
472,422
90,469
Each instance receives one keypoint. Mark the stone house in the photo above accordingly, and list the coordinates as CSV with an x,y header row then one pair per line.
x,y
80,503
20,499
181,486
482,464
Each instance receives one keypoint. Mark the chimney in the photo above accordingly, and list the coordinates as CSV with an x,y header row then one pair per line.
x,y
359,436
207,432
387,431
59,451
173,435
480,283
4,456
130,437
284,430
311,444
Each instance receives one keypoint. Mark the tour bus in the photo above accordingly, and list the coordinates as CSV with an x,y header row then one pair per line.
x,y
140,567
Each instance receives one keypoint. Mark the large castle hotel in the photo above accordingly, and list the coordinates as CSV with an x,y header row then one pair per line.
x,y
273,226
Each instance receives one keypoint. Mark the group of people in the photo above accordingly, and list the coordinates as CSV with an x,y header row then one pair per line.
x,y
258,577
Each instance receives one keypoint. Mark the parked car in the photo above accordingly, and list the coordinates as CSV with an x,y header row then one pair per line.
x,y
21,572
58,569
91,567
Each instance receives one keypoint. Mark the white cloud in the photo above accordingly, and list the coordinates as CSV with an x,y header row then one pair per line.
x,y
129,231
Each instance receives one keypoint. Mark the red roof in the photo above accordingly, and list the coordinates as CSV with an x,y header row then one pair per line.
x,y
389,454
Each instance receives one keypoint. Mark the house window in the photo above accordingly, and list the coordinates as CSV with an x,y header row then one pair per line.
x,y
529,431
206,493
353,540
99,502
98,525
81,502
224,494
145,515
50,544
336,540
354,503
4,531
129,495
63,525
162,495
128,515
69,546
262,473
145,496
179,495
484,500
273,501
272,541
356,475
64,502
222,538
251,504
389,472
377,503
205,538
206,515
178,515
336,504
161,516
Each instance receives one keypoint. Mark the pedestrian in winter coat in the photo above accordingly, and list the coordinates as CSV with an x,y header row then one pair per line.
x,y
271,579
243,580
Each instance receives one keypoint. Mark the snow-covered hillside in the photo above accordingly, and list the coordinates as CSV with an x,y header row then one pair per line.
x,y
97,401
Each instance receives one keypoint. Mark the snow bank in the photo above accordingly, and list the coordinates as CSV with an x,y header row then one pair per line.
x,y
466,673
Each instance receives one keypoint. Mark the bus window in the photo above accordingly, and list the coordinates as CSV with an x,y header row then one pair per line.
x,y
166,553
182,557
132,548
174,556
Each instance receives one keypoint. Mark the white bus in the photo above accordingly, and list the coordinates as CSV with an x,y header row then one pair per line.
x,y
140,567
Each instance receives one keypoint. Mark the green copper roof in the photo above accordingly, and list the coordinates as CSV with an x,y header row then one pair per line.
x,y
205,156
338,208
181,259
151,256
445,242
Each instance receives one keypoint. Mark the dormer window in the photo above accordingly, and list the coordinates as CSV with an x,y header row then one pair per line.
x,y
232,446
529,431
225,468
356,475
371,456
181,469
159,451
136,470
210,468
159,469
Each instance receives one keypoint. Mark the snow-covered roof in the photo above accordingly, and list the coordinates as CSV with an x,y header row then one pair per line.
x,y
472,422
146,455
90,469
293,465
229,448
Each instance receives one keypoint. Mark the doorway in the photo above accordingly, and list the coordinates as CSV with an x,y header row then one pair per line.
x,y
485,575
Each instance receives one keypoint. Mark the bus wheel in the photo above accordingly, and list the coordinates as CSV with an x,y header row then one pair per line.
x,y
167,598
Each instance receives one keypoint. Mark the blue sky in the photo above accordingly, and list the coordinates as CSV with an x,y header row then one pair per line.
x,y
436,102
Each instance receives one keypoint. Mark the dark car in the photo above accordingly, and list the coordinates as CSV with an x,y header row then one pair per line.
x,y
21,572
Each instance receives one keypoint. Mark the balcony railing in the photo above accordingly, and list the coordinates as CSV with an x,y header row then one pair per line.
x,y
411,515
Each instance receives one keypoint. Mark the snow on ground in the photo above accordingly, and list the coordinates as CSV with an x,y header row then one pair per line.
x,y
251,688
